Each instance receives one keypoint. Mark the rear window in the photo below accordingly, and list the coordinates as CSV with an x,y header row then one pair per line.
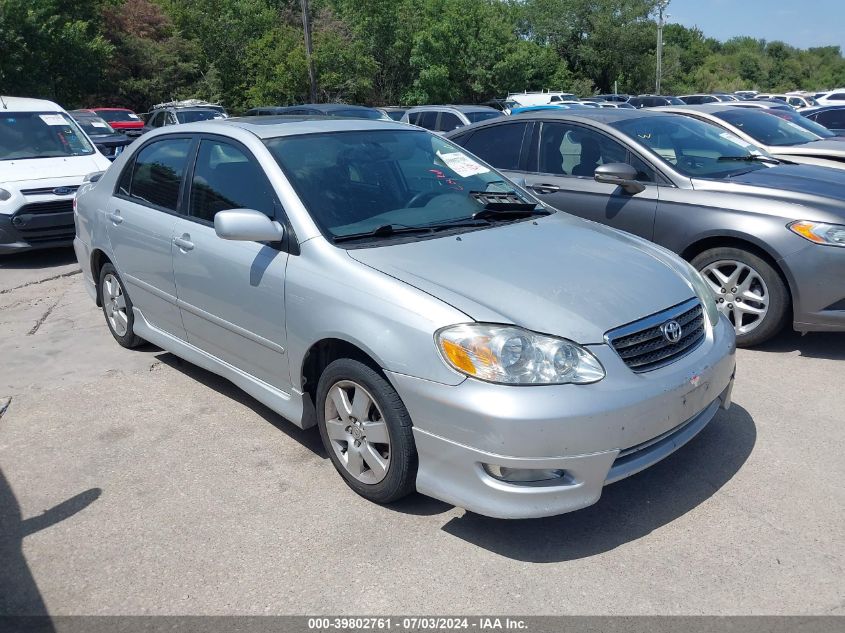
x,y
191,116
94,125
118,116
354,113
26,135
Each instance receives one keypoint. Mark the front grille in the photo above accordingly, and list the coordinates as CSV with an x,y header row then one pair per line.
x,y
40,222
642,345
46,191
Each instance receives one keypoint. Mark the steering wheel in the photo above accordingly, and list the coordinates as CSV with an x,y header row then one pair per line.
x,y
423,198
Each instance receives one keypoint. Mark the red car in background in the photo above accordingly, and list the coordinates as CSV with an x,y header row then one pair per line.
x,y
122,120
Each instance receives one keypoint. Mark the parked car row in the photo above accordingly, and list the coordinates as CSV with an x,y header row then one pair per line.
x,y
428,297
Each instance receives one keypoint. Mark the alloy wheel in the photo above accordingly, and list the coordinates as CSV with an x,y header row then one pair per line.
x,y
740,292
357,431
114,303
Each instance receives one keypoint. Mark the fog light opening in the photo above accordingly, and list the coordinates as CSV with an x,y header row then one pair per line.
x,y
523,475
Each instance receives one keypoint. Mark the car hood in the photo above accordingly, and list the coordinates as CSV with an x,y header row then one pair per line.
x,y
32,169
829,148
806,185
557,275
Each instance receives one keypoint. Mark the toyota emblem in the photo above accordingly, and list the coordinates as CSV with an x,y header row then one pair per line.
x,y
672,331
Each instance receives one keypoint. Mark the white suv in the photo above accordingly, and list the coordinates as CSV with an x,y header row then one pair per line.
x,y
44,158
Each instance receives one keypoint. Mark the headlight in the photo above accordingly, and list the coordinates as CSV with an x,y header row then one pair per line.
x,y
5,195
705,294
513,356
819,232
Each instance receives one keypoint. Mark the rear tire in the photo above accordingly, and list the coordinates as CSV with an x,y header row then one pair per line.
x,y
117,308
748,290
366,431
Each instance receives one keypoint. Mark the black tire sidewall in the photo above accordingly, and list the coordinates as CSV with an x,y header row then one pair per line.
x,y
400,479
779,298
129,339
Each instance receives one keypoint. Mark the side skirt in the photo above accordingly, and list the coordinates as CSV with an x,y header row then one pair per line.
x,y
289,406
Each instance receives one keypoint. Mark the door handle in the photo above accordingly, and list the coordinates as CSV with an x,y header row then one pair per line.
x,y
184,243
115,217
543,187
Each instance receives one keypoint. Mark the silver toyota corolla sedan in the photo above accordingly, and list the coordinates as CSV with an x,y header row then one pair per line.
x,y
445,331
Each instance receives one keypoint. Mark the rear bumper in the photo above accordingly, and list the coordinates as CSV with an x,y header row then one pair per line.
x,y
592,434
817,279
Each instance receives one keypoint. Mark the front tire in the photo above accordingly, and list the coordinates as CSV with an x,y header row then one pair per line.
x,y
748,290
117,308
366,430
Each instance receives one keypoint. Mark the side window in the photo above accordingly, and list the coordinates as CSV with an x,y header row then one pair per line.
x,y
839,96
498,145
449,122
226,178
428,120
795,101
155,119
569,150
125,181
833,119
157,173
413,117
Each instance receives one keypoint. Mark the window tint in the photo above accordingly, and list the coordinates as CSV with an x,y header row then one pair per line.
x,y
833,119
226,178
158,170
481,115
125,180
568,150
449,122
766,128
839,96
498,145
428,120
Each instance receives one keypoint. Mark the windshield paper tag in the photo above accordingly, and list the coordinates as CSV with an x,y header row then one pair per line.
x,y
133,116
98,124
462,164
53,119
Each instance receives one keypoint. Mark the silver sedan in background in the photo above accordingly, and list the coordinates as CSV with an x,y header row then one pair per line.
x,y
445,331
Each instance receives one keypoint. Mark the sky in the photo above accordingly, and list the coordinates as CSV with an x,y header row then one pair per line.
x,y
801,23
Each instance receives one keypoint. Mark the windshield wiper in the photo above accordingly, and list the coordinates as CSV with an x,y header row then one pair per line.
x,y
751,158
385,230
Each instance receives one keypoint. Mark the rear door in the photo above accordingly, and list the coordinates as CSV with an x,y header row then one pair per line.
x,y
231,293
141,217
560,171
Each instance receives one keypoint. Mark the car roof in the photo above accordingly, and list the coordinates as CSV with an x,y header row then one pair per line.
x,y
458,107
292,125
114,109
25,104
83,112
330,107
710,108
604,115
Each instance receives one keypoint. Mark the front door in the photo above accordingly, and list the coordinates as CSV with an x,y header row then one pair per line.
x,y
231,293
141,219
562,163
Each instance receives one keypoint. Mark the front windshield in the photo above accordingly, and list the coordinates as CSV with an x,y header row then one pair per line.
x,y
356,182
767,129
191,116
804,122
481,115
40,135
694,148
94,125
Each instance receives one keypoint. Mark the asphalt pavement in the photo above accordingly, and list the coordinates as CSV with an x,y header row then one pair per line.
x,y
132,482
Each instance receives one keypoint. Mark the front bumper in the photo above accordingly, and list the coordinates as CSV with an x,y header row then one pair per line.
x,y
817,279
596,434
23,231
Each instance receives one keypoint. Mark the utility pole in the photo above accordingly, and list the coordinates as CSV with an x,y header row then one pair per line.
x,y
661,7
309,53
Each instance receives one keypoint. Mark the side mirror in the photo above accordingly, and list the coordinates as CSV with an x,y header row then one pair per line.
x,y
621,175
247,225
